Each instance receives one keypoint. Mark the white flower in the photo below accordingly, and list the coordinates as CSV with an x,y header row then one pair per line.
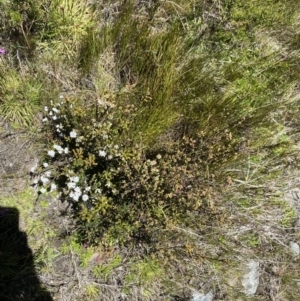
x,y
78,190
54,117
42,190
44,180
74,179
48,173
46,109
87,188
73,134
55,110
105,136
61,96
116,146
32,169
85,197
51,153
71,185
53,187
45,164
58,130
76,197
75,194
158,157
66,150
58,148
50,113
45,119
102,153
110,157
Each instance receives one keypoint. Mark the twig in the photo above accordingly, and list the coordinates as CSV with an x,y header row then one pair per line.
x,y
75,268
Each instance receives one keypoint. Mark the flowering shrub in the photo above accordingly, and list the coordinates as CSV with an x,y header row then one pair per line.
x,y
115,187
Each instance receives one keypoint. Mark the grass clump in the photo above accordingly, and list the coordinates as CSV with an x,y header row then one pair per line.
x,y
20,97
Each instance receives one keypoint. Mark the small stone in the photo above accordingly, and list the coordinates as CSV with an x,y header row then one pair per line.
x,y
202,297
295,249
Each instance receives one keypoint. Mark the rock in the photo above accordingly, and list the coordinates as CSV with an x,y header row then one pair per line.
x,y
295,249
202,297
251,279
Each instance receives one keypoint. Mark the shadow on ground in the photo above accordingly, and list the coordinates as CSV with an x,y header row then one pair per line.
x,y
18,279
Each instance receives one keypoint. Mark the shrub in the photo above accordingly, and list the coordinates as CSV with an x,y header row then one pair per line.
x,y
116,188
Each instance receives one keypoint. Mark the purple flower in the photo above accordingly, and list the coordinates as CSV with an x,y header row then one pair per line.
x,y
2,51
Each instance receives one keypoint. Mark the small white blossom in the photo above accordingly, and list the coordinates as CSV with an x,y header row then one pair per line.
x,y
75,194
78,190
61,96
42,190
55,110
71,185
44,180
116,146
76,197
32,169
58,148
51,153
158,157
66,150
87,188
48,173
110,157
85,197
74,179
54,117
45,119
50,113
105,136
73,134
45,164
46,109
102,153
53,187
